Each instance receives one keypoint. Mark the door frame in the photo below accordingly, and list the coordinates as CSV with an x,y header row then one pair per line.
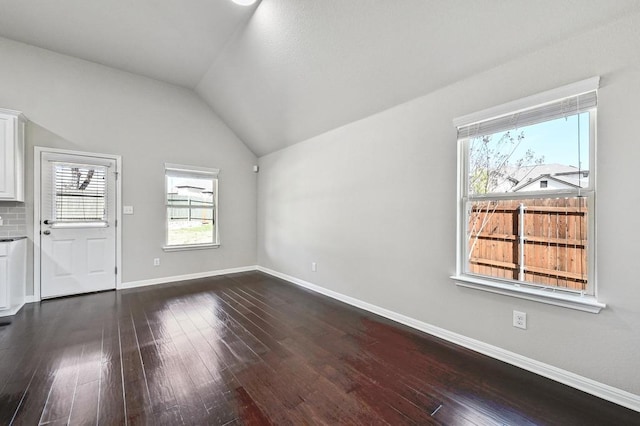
x,y
37,196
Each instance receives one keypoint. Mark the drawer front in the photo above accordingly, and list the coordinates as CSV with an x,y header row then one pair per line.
x,y
4,249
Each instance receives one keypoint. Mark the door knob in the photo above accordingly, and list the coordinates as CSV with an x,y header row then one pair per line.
x,y
46,232
47,222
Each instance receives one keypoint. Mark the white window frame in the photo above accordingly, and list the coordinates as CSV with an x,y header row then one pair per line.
x,y
198,173
554,296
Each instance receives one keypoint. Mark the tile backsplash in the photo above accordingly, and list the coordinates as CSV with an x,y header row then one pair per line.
x,y
14,216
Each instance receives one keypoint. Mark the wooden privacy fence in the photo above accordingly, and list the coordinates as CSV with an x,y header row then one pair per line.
x,y
186,208
542,241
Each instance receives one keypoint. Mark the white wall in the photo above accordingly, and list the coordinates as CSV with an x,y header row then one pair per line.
x,y
373,203
79,105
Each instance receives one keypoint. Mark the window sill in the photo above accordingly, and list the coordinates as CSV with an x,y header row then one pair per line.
x,y
566,300
190,247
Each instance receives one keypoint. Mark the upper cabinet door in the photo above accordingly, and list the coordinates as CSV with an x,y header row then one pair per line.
x,y
11,156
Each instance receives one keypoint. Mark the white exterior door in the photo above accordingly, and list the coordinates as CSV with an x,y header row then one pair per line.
x,y
77,224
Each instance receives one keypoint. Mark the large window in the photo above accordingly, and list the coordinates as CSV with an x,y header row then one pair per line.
x,y
527,190
191,203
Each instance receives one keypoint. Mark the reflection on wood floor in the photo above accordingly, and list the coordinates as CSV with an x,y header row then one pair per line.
x,y
250,349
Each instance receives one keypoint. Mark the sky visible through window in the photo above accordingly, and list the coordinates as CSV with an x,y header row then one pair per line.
x,y
558,141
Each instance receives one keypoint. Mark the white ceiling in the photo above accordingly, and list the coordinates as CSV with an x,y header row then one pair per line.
x,y
171,40
299,68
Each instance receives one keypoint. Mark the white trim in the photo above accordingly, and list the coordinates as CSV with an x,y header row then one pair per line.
x,y
185,247
30,299
566,300
11,311
549,193
512,107
17,114
601,390
37,153
191,169
206,274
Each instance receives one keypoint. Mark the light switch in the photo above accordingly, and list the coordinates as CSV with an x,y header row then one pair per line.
x,y
127,209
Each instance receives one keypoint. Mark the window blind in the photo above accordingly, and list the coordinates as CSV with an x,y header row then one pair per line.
x,y
177,170
80,193
561,108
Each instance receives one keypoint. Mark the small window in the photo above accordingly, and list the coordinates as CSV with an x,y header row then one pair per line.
x,y
80,194
191,203
516,229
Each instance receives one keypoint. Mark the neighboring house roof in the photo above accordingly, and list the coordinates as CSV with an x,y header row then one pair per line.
x,y
189,187
575,180
525,173
565,181
516,178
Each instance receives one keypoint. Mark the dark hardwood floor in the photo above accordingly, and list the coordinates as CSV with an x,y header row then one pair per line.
x,y
250,349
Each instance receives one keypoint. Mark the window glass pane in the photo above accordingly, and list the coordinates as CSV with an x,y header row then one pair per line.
x,y
190,210
80,193
540,241
556,151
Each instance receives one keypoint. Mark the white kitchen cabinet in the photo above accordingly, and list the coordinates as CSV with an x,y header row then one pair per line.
x,y
12,125
13,274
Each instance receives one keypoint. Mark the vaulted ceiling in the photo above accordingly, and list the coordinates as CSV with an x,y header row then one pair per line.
x,y
283,71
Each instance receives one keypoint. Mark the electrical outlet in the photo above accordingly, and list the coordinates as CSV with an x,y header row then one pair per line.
x,y
520,320
314,266
156,261
127,209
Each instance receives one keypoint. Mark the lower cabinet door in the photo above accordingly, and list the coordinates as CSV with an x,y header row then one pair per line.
x,y
4,282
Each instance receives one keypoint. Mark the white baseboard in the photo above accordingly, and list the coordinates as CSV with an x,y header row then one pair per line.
x,y
164,280
11,311
601,390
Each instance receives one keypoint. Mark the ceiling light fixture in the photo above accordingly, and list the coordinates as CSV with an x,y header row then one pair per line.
x,y
244,2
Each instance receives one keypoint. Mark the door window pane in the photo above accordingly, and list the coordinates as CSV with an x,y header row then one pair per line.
x,y
80,193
